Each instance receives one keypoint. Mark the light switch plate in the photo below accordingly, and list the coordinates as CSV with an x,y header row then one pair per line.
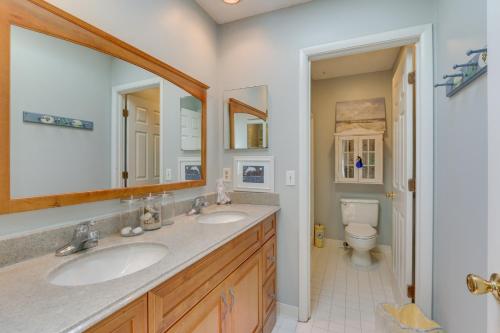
x,y
290,178
168,174
227,174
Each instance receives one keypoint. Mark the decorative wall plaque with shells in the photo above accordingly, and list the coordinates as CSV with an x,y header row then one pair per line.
x,y
47,119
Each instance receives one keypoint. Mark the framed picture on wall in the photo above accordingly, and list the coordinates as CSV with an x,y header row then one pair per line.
x,y
253,173
189,168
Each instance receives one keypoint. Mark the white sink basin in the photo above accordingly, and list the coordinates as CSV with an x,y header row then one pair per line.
x,y
221,217
107,264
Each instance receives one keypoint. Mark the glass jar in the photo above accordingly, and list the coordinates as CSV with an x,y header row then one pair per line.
x,y
129,213
167,208
151,212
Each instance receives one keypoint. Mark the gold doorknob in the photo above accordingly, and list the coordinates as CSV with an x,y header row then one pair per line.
x,y
390,195
479,286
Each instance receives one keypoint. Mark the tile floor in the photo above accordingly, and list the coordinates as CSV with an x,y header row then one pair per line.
x,y
343,298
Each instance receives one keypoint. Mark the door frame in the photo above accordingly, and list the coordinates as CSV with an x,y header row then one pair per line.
x,y
493,26
117,125
422,37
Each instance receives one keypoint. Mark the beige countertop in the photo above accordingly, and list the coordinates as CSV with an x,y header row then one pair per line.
x,y
29,303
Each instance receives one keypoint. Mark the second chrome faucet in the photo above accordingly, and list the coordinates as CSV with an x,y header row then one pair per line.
x,y
198,204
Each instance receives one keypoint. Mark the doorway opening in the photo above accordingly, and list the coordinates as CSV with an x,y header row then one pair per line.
x,y
140,143
359,161
362,112
136,132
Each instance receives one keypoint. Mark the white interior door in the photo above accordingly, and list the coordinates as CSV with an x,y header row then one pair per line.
x,y
402,208
143,148
190,129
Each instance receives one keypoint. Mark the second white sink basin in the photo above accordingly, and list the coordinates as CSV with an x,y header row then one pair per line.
x,y
107,264
221,217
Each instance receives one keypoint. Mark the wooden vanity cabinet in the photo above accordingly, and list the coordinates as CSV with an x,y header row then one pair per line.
x,y
226,291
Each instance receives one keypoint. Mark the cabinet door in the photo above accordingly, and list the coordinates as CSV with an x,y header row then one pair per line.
x,y
131,319
345,158
245,296
208,316
370,150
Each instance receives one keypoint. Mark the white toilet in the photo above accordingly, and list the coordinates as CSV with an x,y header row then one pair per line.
x,y
360,217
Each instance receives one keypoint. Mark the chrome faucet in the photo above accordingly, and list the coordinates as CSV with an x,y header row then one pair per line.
x,y
83,238
198,204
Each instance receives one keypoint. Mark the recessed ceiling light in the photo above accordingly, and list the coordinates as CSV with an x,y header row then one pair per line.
x,y
231,2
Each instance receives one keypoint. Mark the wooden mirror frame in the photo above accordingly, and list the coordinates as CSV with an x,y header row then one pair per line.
x,y
237,106
40,16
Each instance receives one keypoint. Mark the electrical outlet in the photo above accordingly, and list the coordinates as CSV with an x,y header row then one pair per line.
x,y
226,174
290,178
168,174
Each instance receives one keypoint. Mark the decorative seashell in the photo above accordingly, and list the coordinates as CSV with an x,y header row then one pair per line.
x,y
47,119
125,231
76,123
483,60
146,217
137,230
457,80
151,209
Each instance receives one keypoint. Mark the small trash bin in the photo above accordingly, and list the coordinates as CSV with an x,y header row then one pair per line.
x,y
408,318
319,235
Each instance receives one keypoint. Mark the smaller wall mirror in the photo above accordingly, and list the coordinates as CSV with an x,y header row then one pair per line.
x,y
246,118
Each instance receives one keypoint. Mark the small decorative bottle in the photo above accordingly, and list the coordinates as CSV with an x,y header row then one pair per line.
x,y
129,217
167,208
151,212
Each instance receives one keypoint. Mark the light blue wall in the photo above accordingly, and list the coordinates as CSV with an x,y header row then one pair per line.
x,y
460,224
265,50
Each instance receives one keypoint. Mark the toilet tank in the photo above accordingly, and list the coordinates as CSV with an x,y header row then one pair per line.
x,y
363,211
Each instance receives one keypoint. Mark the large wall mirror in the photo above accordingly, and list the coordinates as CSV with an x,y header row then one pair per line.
x,y
89,117
246,118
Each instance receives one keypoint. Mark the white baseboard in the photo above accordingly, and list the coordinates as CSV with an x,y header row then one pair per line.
x,y
287,310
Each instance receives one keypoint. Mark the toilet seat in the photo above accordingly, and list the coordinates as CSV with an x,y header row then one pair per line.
x,y
361,231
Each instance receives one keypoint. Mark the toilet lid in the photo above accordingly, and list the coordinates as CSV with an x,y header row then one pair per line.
x,y
363,231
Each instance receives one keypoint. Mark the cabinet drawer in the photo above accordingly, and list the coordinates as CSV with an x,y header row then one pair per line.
x,y
171,300
269,295
132,318
269,257
269,227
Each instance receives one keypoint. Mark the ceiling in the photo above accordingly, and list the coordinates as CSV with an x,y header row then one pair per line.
x,y
152,94
369,62
224,13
